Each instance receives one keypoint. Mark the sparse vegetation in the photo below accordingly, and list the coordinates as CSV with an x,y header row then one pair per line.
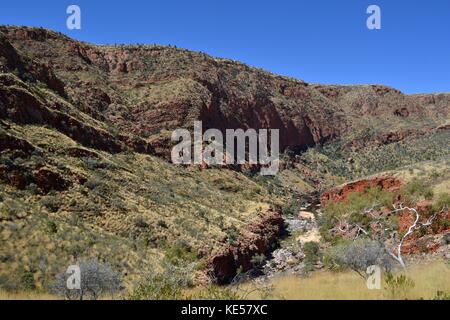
x,y
417,189
358,255
168,285
398,286
96,281
312,255
51,202
86,174
353,210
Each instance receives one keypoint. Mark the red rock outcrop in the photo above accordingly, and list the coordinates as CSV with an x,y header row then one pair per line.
x,y
257,238
426,239
81,153
26,68
341,193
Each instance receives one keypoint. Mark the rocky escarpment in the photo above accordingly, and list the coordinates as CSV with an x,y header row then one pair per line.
x,y
20,104
147,91
385,138
173,87
377,100
11,60
341,193
424,223
255,239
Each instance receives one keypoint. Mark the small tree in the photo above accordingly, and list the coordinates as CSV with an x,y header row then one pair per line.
x,y
312,255
97,280
359,255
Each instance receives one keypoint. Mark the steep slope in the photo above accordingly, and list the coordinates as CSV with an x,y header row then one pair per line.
x,y
84,133
150,90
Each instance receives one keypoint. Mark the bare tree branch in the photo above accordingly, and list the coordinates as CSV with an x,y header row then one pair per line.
x,y
397,254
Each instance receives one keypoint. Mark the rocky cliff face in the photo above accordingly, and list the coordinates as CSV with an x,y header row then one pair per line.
x,y
341,193
148,91
257,238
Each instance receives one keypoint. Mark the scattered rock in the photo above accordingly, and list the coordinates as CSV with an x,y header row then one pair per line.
x,y
283,260
310,236
306,215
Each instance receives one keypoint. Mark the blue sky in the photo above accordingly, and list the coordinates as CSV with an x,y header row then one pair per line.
x,y
324,41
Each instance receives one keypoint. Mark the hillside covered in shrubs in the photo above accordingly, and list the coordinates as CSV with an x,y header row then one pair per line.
x,y
85,175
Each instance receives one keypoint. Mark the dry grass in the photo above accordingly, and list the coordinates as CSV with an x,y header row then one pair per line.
x,y
326,285
26,296
133,208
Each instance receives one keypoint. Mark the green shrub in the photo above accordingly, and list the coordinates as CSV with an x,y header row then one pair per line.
x,y
417,189
118,204
447,240
157,287
52,203
357,255
161,223
442,202
27,280
232,235
97,185
398,286
12,209
180,253
93,163
312,255
258,259
291,207
168,285
140,223
51,227
33,189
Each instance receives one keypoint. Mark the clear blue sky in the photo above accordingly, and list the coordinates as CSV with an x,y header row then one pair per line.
x,y
323,41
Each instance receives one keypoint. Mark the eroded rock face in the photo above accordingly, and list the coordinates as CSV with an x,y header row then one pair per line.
x,y
341,193
210,90
427,239
48,180
11,143
20,105
256,238
148,91
14,176
26,68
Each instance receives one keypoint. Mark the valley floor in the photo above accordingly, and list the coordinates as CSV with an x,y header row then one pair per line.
x,y
428,278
